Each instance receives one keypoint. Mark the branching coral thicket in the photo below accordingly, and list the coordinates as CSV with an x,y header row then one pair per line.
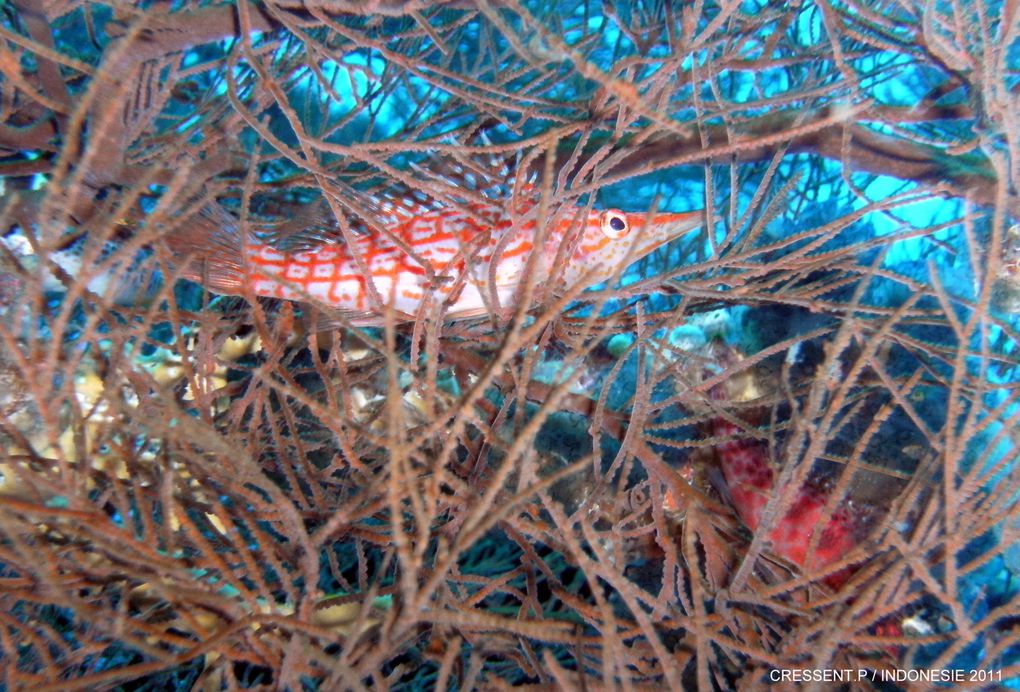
x,y
216,491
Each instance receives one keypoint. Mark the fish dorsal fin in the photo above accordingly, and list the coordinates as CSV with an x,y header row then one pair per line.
x,y
444,184
470,183
309,227
399,205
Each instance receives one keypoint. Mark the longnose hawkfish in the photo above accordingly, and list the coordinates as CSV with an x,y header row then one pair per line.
x,y
471,259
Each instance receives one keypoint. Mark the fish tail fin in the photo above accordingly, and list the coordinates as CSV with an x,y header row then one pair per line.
x,y
209,249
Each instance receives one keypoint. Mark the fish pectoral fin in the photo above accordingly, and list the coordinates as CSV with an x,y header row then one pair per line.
x,y
329,319
470,314
438,280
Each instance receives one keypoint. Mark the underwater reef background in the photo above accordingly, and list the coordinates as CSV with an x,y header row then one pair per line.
x,y
788,440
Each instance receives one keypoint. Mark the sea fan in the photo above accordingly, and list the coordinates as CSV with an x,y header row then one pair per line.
x,y
781,448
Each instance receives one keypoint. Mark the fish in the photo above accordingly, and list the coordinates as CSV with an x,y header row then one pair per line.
x,y
750,482
469,259
125,279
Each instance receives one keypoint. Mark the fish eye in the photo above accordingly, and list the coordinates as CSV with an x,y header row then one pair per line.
x,y
614,224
